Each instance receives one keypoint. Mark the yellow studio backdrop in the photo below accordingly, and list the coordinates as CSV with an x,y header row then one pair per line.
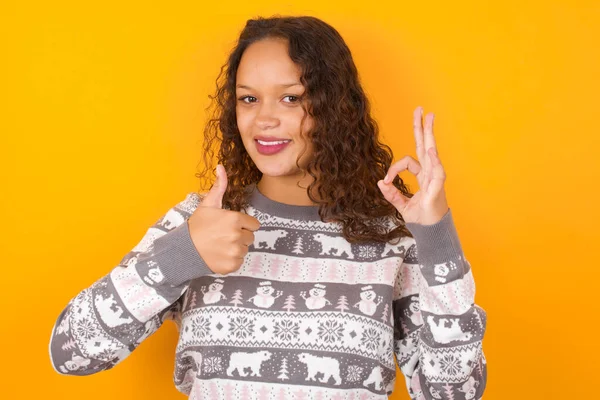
x,y
102,113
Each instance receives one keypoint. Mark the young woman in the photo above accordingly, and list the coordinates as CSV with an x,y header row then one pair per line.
x,y
308,270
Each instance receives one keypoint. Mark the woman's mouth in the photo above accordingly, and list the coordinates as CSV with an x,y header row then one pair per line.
x,y
270,147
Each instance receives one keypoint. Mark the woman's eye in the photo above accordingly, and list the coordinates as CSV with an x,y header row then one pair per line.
x,y
292,99
247,99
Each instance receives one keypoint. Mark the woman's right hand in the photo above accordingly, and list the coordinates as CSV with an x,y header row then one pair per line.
x,y
221,236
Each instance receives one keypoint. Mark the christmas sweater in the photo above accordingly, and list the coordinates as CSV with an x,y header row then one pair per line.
x,y
308,315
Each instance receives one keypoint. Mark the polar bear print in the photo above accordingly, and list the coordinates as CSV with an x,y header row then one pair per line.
x,y
112,318
469,388
444,334
376,378
337,245
329,367
396,250
268,237
196,358
75,363
172,219
240,361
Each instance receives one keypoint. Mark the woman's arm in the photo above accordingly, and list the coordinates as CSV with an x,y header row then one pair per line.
x,y
105,322
438,328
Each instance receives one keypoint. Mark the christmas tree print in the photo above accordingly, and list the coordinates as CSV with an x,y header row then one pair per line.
x,y
384,314
214,392
313,271
274,268
281,395
68,345
228,391
388,271
298,246
193,300
332,273
237,298
245,393
289,303
300,395
294,270
351,272
449,391
342,304
369,272
409,282
263,393
256,265
283,372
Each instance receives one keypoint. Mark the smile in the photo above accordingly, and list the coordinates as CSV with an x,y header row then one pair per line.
x,y
272,147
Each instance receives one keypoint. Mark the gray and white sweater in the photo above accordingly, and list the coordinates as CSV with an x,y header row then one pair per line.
x,y
307,316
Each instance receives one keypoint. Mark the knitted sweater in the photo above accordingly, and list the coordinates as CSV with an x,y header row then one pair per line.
x,y
307,316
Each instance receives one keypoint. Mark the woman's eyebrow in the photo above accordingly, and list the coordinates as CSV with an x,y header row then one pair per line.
x,y
285,85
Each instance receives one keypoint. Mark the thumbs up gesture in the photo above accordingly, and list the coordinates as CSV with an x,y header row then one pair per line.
x,y
221,236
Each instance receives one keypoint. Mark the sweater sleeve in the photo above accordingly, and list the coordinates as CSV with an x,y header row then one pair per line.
x,y
438,328
105,322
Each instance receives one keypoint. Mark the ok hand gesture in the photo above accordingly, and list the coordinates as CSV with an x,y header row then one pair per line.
x,y
429,204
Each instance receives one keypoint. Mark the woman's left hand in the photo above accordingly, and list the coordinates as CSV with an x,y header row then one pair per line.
x,y
428,205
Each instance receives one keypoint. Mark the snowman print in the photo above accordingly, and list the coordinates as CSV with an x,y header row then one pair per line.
x,y
367,304
214,294
316,299
264,297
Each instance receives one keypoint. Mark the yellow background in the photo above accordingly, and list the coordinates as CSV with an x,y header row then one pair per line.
x,y
102,112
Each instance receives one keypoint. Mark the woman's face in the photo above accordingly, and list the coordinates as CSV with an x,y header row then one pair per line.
x,y
268,109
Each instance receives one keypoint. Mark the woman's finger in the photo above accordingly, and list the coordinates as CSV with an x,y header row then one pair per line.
x,y
406,163
418,130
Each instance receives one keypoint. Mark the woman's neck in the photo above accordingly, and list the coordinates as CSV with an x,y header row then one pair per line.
x,y
286,189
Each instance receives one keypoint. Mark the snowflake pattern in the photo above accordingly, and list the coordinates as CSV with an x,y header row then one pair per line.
x,y
286,329
87,329
242,327
354,373
450,365
200,327
370,339
330,331
212,365
367,252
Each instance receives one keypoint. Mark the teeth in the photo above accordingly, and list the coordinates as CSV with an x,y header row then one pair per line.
x,y
272,143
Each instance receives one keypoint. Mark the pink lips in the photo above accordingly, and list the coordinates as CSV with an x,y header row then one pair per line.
x,y
270,149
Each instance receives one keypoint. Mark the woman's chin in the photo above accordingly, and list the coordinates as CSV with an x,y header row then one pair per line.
x,y
277,171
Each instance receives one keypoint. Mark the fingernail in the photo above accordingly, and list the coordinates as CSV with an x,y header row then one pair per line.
x,y
386,179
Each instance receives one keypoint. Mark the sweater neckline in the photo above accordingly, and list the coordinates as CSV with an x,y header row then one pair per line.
x,y
262,203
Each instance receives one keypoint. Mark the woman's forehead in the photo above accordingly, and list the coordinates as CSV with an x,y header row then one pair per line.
x,y
267,64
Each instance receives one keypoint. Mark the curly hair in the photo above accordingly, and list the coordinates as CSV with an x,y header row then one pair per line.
x,y
348,157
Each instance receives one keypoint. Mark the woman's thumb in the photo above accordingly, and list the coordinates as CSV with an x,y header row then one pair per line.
x,y
214,197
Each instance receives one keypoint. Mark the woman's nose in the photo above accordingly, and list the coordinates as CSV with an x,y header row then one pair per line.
x,y
267,117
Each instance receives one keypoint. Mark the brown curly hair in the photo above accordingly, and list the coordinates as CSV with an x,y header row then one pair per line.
x,y
348,158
